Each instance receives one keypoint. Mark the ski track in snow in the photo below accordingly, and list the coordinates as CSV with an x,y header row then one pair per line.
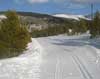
x,y
55,57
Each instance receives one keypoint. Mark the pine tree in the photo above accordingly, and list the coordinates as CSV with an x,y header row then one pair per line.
x,y
83,26
13,35
95,28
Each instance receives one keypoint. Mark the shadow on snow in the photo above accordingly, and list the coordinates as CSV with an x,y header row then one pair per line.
x,y
77,42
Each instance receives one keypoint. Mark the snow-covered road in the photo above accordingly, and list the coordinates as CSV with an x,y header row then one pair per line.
x,y
56,57
64,58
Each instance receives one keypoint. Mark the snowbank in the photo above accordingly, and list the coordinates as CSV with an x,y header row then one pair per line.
x,y
26,66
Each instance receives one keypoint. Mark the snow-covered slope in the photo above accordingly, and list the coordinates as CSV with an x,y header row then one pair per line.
x,y
76,17
55,57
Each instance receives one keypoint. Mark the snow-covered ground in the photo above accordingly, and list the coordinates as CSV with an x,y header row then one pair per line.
x,y
55,57
26,66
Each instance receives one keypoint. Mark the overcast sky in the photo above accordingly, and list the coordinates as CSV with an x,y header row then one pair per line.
x,y
50,6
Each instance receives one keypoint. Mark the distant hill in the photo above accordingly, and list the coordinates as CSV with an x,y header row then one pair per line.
x,y
42,21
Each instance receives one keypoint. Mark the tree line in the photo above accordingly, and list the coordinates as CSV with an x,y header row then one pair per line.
x,y
72,28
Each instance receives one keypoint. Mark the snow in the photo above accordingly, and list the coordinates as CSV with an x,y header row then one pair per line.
x,y
26,66
76,17
2,17
55,57
70,57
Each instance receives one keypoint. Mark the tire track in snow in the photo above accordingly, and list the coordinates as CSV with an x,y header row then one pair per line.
x,y
79,63
57,71
82,68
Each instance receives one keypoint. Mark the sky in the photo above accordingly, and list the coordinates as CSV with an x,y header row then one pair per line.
x,y
50,6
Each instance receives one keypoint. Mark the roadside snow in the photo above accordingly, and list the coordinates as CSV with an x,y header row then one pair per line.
x,y
26,66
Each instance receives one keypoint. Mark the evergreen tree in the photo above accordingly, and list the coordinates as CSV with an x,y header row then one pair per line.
x,y
82,26
95,27
13,35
